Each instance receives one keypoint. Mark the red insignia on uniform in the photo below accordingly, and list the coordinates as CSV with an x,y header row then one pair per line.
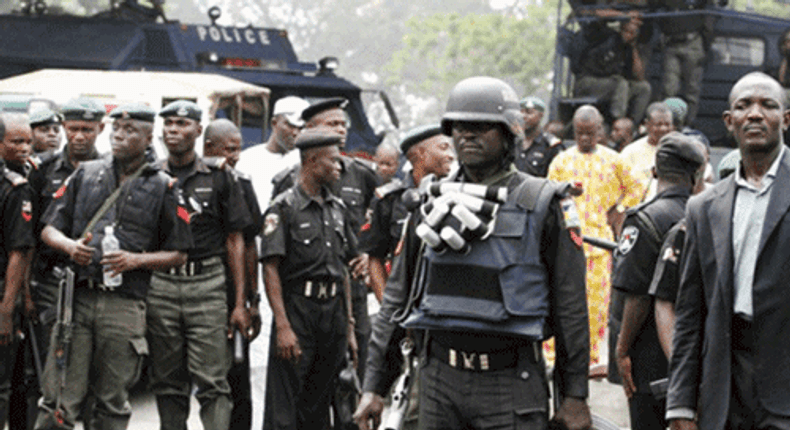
x,y
398,248
59,193
365,227
183,214
576,237
27,211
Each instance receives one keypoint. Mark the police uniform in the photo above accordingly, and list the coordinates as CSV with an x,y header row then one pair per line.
x,y
16,235
188,309
379,237
239,375
314,240
644,230
51,169
356,188
535,160
108,337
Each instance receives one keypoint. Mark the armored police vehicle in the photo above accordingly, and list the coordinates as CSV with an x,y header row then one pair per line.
x,y
130,35
737,43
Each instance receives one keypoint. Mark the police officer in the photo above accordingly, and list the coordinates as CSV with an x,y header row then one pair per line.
x,y
488,307
356,187
538,148
15,150
429,152
307,241
639,357
108,335
16,236
82,122
223,139
188,309
46,130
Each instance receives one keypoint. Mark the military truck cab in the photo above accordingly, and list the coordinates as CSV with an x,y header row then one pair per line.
x,y
739,42
132,36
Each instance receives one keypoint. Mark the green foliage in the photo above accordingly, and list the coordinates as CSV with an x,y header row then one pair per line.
x,y
441,49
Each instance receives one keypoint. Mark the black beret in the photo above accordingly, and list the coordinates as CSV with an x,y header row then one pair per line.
x,y
316,138
318,107
678,153
82,109
43,116
182,108
418,134
136,111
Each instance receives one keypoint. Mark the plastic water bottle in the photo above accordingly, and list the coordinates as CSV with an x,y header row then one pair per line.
x,y
108,244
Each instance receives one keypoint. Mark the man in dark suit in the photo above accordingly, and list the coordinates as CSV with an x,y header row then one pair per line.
x,y
731,355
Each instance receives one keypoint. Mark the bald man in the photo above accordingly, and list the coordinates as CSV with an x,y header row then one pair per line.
x,y
386,159
729,366
223,139
608,187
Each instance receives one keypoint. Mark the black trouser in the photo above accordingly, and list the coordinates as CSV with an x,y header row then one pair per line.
x,y
646,412
745,411
239,377
298,394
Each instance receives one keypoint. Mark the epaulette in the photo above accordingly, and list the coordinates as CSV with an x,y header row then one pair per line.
x,y
13,177
219,163
286,196
367,163
282,174
394,185
238,174
46,157
554,140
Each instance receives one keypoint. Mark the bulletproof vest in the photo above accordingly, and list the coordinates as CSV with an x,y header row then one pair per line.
x,y
501,284
139,206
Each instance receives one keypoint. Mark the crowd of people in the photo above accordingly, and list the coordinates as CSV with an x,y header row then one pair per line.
x,y
499,250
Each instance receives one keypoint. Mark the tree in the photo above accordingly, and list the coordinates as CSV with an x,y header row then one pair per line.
x,y
442,49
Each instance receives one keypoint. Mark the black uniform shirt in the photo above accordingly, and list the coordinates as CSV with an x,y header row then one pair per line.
x,y
213,199
535,160
146,217
313,239
637,252
380,236
248,194
356,187
46,180
666,278
17,209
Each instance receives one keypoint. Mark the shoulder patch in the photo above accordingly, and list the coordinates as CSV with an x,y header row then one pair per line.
x,y
27,210
628,239
241,175
570,215
670,254
270,224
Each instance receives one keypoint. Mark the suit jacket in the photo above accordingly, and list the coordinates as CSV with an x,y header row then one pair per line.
x,y
701,363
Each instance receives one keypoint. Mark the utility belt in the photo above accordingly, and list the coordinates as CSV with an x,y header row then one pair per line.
x,y
480,361
681,37
195,267
316,289
95,285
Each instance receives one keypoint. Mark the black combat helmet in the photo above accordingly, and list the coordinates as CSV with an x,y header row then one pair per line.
x,y
483,99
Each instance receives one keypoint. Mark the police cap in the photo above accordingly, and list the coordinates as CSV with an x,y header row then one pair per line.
x,y
418,134
678,153
318,107
317,138
137,111
43,116
82,109
182,108
533,102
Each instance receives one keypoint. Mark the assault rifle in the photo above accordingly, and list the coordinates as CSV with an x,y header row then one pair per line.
x,y
63,327
402,391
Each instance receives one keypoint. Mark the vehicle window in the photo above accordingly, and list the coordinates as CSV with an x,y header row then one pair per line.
x,y
738,51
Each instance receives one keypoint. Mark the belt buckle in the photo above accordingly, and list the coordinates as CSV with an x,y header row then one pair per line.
x,y
322,291
468,359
